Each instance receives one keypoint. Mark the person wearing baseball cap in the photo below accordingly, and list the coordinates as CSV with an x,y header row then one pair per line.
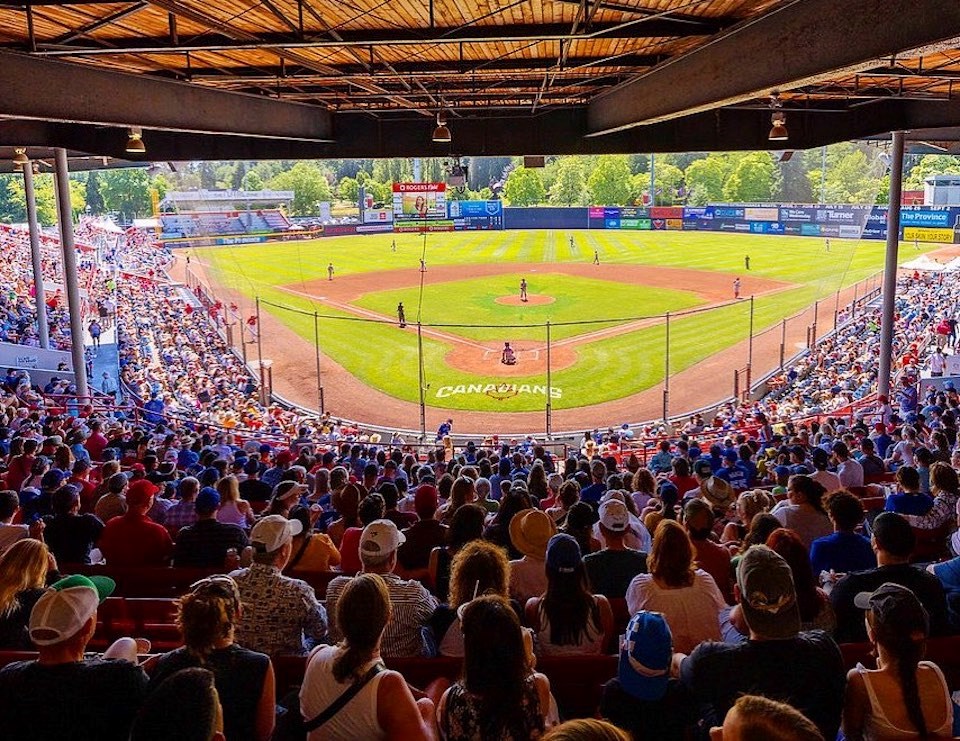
x,y
205,543
133,539
643,698
425,534
898,626
411,603
803,669
611,569
285,495
63,694
280,615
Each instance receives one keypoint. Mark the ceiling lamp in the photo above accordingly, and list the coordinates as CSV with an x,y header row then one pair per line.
x,y
441,134
778,119
20,156
135,141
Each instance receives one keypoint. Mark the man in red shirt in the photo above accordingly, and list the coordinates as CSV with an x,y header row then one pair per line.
x,y
20,465
133,539
96,442
80,477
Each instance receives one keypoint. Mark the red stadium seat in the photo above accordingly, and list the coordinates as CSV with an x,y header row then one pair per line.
x,y
931,544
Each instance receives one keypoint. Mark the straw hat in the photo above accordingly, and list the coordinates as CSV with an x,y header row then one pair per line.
x,y
530,531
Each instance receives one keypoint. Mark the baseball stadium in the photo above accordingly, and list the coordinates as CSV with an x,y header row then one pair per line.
x,y
499,370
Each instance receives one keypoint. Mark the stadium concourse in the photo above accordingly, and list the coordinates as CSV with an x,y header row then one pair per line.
x,y
723,551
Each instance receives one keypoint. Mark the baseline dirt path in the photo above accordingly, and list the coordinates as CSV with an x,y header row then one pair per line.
x,y
702,384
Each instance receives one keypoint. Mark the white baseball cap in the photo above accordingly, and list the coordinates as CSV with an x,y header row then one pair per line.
x,y
614,515
63,610
381,537
273,532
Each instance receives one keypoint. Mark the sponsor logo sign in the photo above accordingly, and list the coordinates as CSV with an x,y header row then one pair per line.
x,y
499,391
925,218
761,214
923,234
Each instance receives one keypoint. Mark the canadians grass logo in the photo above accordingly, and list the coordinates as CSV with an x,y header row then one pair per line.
x,y
499,391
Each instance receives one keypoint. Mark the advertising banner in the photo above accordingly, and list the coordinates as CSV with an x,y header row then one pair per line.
x,y
842,215
810,230
611,222
634,212
727,212
474,208
761,214
667,212
439,225
595,212
795,213
419,201
929,218
923,234
635,224
850,232
698,212
675,224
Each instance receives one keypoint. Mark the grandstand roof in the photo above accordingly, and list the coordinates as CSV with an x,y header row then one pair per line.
x,y
315,78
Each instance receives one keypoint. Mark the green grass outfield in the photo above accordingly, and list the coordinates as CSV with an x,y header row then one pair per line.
x,y
608,369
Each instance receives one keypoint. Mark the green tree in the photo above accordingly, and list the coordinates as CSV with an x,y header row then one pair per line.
x,y
795,186
44,192
78,197
524,188
609,182
208,176
94,194
569,186
931,164
668,178
348,189
252,181
126,191
704,179
309,186
752,180
851,177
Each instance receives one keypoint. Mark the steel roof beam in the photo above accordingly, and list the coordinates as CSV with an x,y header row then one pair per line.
x,y
796,44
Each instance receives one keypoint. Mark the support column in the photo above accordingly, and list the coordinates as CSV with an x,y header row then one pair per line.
x,y
316,346
70,278
40,297
422,381
890,266
666,371
549,405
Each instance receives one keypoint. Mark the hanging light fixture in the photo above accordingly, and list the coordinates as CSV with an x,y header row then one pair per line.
x,y
20,156
135,141
441,134
778,119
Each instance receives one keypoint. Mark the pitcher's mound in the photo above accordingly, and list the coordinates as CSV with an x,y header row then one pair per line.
x,y
533,299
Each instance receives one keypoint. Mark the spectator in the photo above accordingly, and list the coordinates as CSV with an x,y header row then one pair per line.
x,y
70,535
233,510
586,729
827,479
498,531
845,550
205,543
610,570
384,706
643,698
713,558
591,494
499,695
184,512
904,697
186,706
909,500
370,508
756,717
567,618
114,502
26,568
411,604
803,510
945,487
207,617
252,489
872,464
466,526
568,495
713,490
893,542
346,501
662,461
423,535
391,495
580,522
96,698
10,532
816,612
280,615
804,670
479,568
733,473
530,531
749,505
133,539
687,596
849,471
313,553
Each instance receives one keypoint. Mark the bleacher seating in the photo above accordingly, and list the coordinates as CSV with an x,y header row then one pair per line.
x,y
212,223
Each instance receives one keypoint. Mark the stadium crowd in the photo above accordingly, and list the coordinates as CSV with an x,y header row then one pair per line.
x,y
724,576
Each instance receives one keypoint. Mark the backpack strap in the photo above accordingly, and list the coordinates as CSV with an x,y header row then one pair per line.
x,y
337,705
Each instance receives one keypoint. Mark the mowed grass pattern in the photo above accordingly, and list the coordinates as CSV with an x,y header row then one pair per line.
x,y
610,368
473,302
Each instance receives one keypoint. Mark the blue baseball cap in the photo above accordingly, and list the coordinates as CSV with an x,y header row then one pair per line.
x,y
563,553
645,656
207,500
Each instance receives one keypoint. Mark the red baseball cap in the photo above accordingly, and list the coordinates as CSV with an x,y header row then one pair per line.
x,y
140,491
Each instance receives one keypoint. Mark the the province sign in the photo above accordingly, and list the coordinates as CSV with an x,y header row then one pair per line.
x,y
498,390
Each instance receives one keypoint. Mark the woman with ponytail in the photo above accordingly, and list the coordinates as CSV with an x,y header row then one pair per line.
x,y
206,617
904,697
382,705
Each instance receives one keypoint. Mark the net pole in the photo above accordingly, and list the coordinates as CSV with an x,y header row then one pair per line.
x,y
890,265
549,404
836,311
263,380
316,345
423,401
750,350
783,341
853,306
666,370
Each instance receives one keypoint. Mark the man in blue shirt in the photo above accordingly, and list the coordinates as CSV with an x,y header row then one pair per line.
x,y
591,494
731,472
155,410
444,429
662,462
845,550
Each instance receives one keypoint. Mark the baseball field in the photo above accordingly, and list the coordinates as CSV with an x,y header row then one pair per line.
x,y
607,328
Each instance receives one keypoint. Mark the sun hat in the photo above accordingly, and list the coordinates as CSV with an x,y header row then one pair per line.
x,y
380,538
614,515
66,607
530,531
273,532
767,595
289,490
563,553
645,655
